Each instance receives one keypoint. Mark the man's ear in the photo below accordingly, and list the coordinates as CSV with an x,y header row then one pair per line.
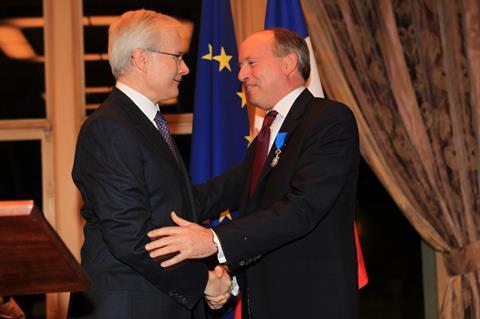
x,y
139,59
290,62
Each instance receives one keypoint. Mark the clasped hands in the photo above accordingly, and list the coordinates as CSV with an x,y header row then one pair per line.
x,y
219,285
191,241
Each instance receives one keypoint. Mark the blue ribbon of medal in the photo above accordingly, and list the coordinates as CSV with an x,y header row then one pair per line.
x,y
279,143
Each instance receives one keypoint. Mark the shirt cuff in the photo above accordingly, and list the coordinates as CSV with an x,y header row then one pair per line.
x,y
235,287
220,254
221,259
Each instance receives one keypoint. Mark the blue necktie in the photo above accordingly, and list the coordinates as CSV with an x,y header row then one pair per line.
x,y
163,128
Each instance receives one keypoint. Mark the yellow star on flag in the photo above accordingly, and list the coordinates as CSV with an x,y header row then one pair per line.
x,y
223,60
208,56
243,97
223,215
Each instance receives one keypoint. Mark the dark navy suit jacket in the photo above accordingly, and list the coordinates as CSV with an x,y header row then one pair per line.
x,y
130,182
294,240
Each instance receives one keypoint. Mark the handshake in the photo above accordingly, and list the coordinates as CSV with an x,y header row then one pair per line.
x,y
186,241
219,286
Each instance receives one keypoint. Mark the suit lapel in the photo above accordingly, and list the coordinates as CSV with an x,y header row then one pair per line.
x,y
154,138
143,124
289,125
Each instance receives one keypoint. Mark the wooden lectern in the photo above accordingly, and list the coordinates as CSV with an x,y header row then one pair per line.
x,y
33,258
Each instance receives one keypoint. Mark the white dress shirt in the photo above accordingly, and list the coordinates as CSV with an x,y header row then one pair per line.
x,y
141,101
282,107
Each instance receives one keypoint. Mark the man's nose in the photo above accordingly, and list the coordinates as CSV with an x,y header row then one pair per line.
x,y
184,70
243,73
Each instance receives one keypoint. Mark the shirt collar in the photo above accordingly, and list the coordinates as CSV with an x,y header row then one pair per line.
x,y
285,104
141,101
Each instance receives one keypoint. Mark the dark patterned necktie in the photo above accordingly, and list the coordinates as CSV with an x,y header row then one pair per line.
x,y
261,149
163,128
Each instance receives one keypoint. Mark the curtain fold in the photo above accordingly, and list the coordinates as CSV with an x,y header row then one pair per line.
x,y
409,71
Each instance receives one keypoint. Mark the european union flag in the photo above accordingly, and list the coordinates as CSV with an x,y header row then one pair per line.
x,y
220,120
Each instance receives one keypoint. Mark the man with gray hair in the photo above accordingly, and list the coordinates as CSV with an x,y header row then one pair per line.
x,y
131,175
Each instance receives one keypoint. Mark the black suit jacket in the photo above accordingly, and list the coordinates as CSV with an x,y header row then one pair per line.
x,y
130,182
294,239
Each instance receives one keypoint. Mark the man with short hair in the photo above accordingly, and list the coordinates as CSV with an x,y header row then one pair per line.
x,y
131,176
295,193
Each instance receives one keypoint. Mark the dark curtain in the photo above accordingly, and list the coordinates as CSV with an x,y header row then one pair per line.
x,y
410,71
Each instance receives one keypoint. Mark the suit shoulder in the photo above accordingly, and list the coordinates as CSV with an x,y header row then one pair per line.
x,y
100,121
321,109
107,127
111,108
108,114
326,105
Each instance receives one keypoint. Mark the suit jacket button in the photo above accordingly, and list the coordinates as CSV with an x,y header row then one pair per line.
x,y
242,263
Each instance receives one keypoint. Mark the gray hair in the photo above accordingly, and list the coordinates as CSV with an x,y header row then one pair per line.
x,y
134,29
287,42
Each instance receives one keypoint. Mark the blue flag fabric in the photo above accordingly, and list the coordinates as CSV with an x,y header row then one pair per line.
x,y
286,14
220,120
